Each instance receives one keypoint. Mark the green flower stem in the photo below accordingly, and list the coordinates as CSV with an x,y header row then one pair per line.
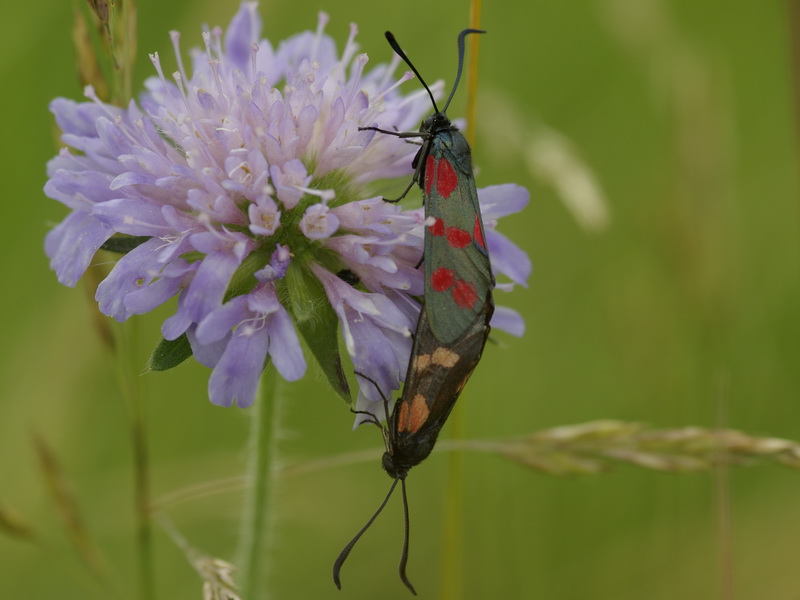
x,y
133,393
258,496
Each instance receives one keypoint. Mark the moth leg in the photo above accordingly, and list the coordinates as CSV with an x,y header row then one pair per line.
x,y
400,134
405,192
372,418
380,391
418,169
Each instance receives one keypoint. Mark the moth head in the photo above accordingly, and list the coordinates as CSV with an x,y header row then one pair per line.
x,y
438,121
394,470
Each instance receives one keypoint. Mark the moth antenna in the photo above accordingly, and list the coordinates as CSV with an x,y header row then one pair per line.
x,y
404,555
337,566
461,37
396,47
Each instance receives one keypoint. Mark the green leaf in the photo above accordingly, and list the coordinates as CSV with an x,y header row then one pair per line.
x,y
317,323
123,245
168,354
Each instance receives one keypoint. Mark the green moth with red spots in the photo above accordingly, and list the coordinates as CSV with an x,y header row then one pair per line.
x,y
458,274
458,304
453,325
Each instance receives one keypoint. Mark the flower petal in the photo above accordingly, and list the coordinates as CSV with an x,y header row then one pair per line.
x,y
72,244
508,258
502,200
134,270
508,320
219,323
131,217
243,31
318,222
284,346
235,377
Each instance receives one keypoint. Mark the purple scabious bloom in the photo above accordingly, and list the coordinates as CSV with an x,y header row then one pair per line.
x,y
243,186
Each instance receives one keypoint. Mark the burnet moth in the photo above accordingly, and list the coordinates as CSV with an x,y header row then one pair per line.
x,y
458,275
454,320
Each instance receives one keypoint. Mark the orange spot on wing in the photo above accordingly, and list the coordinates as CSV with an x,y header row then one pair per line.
x,y
444,357
402,417
421,362
414,416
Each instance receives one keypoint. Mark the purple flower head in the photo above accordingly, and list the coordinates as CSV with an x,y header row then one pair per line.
x,y
242,185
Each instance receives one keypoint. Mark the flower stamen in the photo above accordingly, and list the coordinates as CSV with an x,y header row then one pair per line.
x,y
175,36
350,47
322,21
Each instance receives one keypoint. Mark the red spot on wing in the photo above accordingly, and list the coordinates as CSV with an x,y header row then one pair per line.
x,y
442,279
477,234
465,295
446,178
458,238
430,174
437,228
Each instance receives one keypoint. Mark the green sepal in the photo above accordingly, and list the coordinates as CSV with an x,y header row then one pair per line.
x,y
244,279
304,296
124,244
168,354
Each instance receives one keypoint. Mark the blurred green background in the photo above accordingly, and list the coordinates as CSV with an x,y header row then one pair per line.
x,y
682,309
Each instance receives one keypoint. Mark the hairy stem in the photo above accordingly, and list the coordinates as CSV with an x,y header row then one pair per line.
x,y
258,501
133,393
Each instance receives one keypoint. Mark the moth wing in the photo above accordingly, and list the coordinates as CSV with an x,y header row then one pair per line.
x,y
436,376
458,274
